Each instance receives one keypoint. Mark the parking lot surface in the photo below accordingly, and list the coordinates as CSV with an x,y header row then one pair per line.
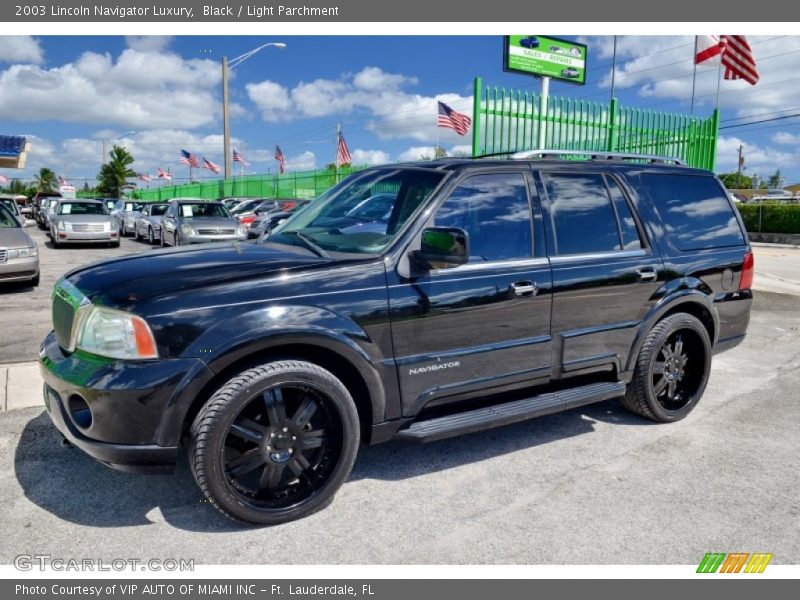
x,y
25,315
594,485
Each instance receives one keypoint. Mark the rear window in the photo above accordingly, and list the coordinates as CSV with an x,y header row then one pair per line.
x,y
695,211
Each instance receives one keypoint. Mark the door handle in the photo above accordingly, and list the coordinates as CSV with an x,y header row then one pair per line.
x,y
525,288
647,274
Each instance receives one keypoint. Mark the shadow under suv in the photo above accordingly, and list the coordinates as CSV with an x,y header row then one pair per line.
x,y
496,291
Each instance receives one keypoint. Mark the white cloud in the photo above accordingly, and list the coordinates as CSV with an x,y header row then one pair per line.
x,y
762,160
20,49
369,157
148,43
302,162
416,153
136,90
391,111
786,139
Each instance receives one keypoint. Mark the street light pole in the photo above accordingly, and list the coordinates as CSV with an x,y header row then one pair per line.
x,y
226,117
226,110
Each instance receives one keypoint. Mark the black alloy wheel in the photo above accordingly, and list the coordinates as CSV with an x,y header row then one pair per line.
x,y
150,237
275,443
672,369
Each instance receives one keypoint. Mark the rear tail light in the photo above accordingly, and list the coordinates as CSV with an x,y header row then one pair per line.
x,y
748,268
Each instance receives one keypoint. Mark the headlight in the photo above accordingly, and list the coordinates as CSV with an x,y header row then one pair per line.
x,y
22,252
116,334
61,226
187,230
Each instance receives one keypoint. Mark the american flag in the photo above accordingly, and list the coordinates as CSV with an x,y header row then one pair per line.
x,y
3,179
453,120
62,181
162,174
737,58
207,164
343,154
280,158
143,177
707,47
239,158
187,158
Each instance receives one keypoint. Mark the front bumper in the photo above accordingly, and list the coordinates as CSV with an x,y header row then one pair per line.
x,y
207,239
67,237
19,269
130,404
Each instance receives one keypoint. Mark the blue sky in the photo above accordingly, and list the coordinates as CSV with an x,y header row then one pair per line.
x,y
156,95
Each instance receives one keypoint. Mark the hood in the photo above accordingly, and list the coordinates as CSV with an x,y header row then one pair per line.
x,y
14,237
83,218
125,281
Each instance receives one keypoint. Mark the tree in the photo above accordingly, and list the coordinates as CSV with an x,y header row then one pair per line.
x,y
45,180
775,180
734,181
115,172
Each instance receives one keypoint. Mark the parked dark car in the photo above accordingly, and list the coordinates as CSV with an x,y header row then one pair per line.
x,y
500,290
272,212
41,201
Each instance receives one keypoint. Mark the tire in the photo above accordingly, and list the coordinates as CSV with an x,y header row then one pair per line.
x,y
136,236
162,240
671,370
176,240
150,237
54,239
114,244
260,414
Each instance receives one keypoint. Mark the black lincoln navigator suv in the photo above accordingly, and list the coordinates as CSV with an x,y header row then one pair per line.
x,y
413,301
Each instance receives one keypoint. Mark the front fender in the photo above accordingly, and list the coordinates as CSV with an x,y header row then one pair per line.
x,y
670,300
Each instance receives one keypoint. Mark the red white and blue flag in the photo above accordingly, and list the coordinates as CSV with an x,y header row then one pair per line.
x,y
3,179
162,174
733,51
207,164
239,158
187,158
62,181
143,177
343,156
452,119
280,158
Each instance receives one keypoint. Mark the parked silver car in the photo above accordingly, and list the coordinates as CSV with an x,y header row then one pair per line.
x,y
46,211
148,224
194,221
19,254
82,221
126,212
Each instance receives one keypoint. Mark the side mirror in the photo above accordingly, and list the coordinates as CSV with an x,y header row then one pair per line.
x,y
443,248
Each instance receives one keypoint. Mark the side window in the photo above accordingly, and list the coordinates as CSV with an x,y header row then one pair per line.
x,y
695,211
171,211
581,213
494,211
627,224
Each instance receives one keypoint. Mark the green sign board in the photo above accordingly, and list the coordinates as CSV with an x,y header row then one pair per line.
x,y
544,56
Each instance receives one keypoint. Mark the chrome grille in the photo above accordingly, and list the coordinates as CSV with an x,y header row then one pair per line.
x,y
216,231
63,316
3,254
87,227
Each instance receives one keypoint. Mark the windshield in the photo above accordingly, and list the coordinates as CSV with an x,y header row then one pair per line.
x,y
245,206
7,220
10,205
132,206
202,209
82,208
363,213
158,209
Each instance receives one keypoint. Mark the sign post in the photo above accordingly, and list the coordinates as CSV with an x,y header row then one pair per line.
x,y
547,58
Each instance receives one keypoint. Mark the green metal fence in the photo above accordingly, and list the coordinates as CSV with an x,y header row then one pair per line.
x,y
510,120
302,184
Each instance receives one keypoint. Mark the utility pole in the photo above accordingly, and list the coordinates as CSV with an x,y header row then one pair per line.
x,y
226,118
739,168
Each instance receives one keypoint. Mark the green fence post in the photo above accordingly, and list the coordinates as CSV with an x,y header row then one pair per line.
x,y
476,117
714,136
611,139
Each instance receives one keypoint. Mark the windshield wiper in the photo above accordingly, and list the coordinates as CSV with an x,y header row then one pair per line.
x,y
309,243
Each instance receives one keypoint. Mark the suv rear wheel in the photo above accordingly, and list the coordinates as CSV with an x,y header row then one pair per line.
x,y
671,371
275,443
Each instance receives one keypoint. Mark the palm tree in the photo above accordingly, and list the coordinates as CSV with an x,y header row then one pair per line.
x,y
45,180
115,172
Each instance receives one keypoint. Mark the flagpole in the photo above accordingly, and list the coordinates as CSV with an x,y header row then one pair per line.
x,y
694,75
336,160
436,125
614,68
719,82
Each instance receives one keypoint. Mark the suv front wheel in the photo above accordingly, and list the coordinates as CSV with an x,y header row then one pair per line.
x,y
671,371
275,443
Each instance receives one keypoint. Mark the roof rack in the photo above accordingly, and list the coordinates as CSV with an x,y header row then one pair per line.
x,y
595,155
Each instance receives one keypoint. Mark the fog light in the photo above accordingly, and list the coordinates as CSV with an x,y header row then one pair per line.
x,y
79,411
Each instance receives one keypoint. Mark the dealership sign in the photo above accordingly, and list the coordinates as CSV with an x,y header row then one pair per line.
x,y
544,56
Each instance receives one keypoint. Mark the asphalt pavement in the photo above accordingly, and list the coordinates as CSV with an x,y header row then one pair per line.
x,y
592,486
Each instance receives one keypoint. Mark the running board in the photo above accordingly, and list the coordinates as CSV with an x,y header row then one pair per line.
x,y
511,412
